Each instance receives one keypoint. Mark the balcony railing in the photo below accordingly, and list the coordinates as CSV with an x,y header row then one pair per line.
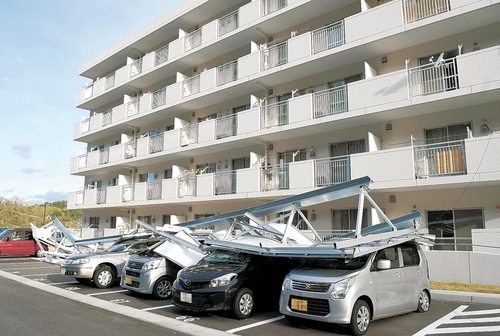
x,y
156,143
227,73
191,86
420,9
270,6
133,107
153,191
330,101
110,81
274,115
88,90
446,158
128,193
189,135
275,177
85,126
274,56
187,186
129,150
104,156
225,182
79,197
161,55
226,126
228,23
100,196
135,68
192,40
434,77
332,170
328,37
159,98
82,161
106,117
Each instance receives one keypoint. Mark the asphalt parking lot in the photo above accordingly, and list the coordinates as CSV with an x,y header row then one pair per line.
x,y
444,317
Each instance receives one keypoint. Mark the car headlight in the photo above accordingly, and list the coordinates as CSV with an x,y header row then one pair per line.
x,y
77,261
222,280
341,288
286,283
152,264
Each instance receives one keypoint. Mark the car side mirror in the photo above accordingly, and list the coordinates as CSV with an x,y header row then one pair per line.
x,y
383,264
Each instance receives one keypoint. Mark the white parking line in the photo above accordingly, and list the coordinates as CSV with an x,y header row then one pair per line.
x,y
160,307
28,275
253,325
112,292
64,283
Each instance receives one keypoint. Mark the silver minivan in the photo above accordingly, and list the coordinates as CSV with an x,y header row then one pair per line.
x,y
391,281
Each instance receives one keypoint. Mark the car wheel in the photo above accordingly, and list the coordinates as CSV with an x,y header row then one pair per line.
x,y
360,318
423,302
83,281
243,303
162,288
104,276
40,253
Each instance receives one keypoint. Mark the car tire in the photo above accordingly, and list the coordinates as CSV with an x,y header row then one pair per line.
x,y
40,253
162,288
104,276
83,281
292,320
243,303
423,302
360,318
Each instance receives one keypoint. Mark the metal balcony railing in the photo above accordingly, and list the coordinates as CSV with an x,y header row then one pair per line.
x,y
133,107
85,126
159,98
225,182
332,170
191,86
274,56
104,156
187,186
156,143
227,73
328,37
129,150
100,196
434,77
135,68
228,23
415,10
189,135
330,101
275,177
127,193
88,90
109,81
192,40
440,159
106,117
270,6
79,197
274,115
226,126
82,161
161,55
153,191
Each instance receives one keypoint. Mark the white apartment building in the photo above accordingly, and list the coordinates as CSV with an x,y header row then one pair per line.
x,y
219,105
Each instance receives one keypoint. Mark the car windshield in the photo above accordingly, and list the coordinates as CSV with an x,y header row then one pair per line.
x,y
337,263
120,246
219,256
4,233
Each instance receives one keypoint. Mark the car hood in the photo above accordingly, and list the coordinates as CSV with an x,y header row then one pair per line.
x,y
209,271
321,275
98,255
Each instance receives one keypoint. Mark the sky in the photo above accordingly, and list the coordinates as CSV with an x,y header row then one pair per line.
x,y
42,46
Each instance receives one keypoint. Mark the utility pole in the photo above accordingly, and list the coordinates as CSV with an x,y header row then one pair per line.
x,y
44,211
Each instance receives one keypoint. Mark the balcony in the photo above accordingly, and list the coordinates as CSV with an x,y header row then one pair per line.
x,y
440,159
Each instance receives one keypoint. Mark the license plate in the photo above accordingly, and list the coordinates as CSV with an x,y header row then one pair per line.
x,y
128,280
300,305
68,273
186,297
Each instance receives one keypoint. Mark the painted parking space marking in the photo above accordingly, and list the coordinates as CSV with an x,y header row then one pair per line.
x,y
111,292
439,327
119,301
256,324
29,275
63,283
160,307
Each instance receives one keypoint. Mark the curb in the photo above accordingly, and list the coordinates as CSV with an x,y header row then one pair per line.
x,y
469,297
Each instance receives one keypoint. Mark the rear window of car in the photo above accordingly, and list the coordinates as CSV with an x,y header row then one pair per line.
x,y
410,255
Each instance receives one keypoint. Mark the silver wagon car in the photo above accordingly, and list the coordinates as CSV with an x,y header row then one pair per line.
x,y
354,292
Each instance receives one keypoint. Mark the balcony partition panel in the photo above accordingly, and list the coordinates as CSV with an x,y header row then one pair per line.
x,y
209,31
116,153
113,194
248,121
274,177
226,126
381,20
273,115
300,108
274,56
204,185
140,192
301,174
174,92
119,113
228,23
248,13
331,101
148,62
90,197
169,188
206,131
248,180
434,78
328,37
142,147
145,103
299,47
176,47
225,182
439,159
248,65
207,80
171,139
332,170
421,9
227,73
389,167
121,75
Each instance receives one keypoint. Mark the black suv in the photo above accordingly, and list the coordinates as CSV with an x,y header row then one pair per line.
x,y
229,280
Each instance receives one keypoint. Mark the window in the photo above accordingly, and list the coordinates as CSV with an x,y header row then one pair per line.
x,y
112,223
208,117
347,147
166,219
168,173
94,222
452,228
345,219
115,181
292,156
205,168
448,133
297,220
410,255
145,219
147,177
241,108
390,253
241,163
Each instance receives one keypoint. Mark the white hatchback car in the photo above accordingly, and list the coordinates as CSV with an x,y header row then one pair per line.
x,y
385,283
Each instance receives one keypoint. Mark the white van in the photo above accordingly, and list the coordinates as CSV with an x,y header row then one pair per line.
x,y
391,281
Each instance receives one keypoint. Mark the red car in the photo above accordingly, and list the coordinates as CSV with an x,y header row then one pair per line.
x,y
19,241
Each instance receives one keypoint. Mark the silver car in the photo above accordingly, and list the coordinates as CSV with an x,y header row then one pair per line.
x,y
104,267
354,292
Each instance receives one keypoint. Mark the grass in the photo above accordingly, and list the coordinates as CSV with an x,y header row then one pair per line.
x,y
462,287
